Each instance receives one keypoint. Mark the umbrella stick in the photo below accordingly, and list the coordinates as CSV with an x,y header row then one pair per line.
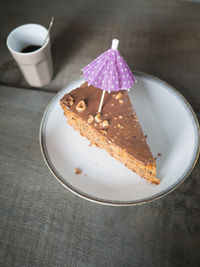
x,y
101,102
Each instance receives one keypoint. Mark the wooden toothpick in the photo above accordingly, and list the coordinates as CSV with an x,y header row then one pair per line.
x,y
101,102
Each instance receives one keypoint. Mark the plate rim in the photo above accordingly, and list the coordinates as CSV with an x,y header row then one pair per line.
x,y
121,202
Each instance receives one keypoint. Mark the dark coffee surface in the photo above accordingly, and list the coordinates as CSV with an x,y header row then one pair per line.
x,y
30,48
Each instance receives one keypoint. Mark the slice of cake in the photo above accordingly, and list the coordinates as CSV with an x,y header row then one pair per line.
x,y
116,129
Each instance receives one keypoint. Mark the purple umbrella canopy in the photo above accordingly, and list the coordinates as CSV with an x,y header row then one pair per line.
x,y
109,72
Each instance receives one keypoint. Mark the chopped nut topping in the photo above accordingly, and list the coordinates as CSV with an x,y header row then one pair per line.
x,y
120,117
69,100
118,96
103,131
81,106
114,95
112,105
90,119
95,125
121,101
105,124
77,171
120,126
106,115
98,118
115,118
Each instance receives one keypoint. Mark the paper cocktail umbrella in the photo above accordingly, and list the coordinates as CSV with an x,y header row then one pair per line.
x,y
109,72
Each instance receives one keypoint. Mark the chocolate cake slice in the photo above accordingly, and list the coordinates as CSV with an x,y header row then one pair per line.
x,y
116,129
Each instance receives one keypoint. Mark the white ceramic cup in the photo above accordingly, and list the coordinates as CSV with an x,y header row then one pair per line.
x,y
36,66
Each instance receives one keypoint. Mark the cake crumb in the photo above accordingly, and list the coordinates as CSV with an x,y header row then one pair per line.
x,y
121,101
155,158
159,154
95,144
77,171
146,136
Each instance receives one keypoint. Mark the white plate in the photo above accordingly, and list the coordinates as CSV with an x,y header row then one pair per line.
x,y
172,129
